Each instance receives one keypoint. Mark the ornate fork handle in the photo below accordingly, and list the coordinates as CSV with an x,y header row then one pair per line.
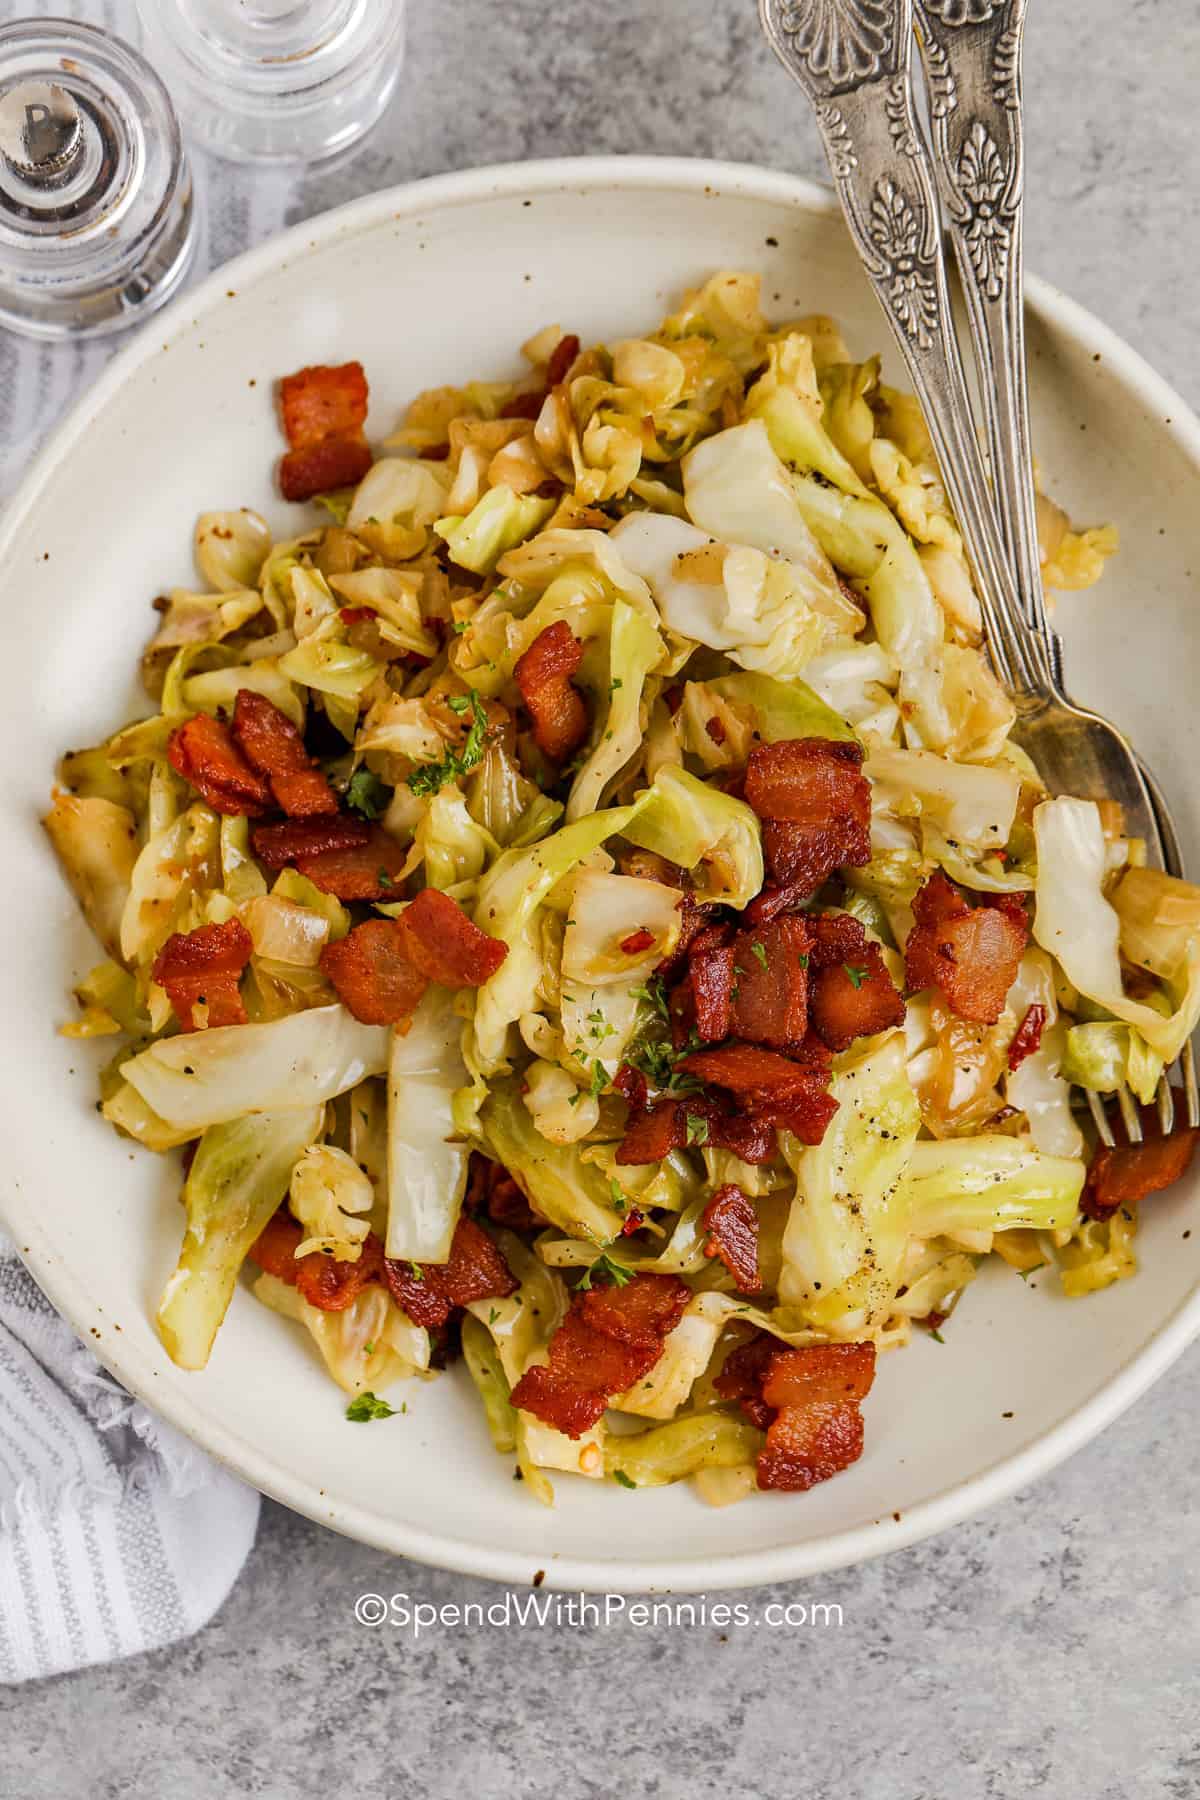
x,y
853,59
972,55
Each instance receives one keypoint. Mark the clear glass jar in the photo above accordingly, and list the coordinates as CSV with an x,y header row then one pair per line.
x,y
276,80
96,215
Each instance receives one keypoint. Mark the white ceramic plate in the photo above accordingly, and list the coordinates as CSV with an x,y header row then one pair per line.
x,y
427,284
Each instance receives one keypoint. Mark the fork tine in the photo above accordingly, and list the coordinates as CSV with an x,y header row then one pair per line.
x,y
1166,1106
1129,1114
1100,1119
1187,1062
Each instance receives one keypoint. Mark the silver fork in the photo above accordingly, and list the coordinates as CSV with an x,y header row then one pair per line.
x,y
853,58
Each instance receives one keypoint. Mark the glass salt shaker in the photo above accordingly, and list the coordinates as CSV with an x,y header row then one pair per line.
x,y
96,216
276,80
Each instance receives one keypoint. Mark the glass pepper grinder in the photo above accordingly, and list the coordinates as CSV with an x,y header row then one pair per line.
x,y
96,217
276,80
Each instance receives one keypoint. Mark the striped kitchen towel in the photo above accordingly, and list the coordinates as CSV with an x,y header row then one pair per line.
x,y
116,1534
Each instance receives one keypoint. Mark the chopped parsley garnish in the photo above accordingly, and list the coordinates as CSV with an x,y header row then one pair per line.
x,y
384,879
614,684
620,1476
654,994
430,778
857,972
599,1080
1026,1273
416,1271
460,625
697,1129
605,1269
936,1335
802,959
493,1315
366,794
365,1407
600,1027
759,951
618,1198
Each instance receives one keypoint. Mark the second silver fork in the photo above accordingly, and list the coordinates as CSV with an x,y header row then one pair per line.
x,y
854,60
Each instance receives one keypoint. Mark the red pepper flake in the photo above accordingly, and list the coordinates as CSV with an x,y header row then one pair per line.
x,y
1028,1036
633,1222
356,615
715,729
637,941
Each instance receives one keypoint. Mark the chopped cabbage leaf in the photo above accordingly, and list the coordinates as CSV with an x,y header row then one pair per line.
x,y
700,828
990,1183
238,1178
427,1161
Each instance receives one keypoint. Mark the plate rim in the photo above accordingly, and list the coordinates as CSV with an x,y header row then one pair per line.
x,y
951,1505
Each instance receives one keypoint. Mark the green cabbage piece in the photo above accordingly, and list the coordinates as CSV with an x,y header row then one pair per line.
x,y
487,1372
240,1174
508,900
699,827
331,667
783,709
496,523
366,1346
1077,924
849,1224
704,1440
202,1078
96,843
571,1193
635,648
990,1183
1103,1054
291,885
216,690
427,1161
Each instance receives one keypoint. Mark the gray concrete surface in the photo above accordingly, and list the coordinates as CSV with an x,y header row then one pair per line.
x,y
1050,1647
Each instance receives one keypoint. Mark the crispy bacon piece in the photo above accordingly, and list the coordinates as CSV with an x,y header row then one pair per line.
x,y
816,806
372,974
278,845
732,1226
528,406
271,744
363,871
818,1428
491,1189
324,409
319,468
610,1338
1123,1176
650,1136
970,952
202,968
445,945
709,986
322,1280
770,1000
771,1089
476,1271
543,674
630,1083
561,358
851,993
203,752
743,1374
1028,1036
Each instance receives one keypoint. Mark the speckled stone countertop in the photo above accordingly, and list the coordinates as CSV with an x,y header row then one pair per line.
x,y
1050,1647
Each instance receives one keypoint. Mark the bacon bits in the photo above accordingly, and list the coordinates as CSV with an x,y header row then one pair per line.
x,y
970,952
817,1430
851,993
671,1124
372,974
321,1280
543,674
772,1089
278,845
445,945
200,971
324,410
1123,1176
528,406
371,870
1028,1036
770,995
815,804
610,1338
732,1226
271,745
429,1292
204,753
